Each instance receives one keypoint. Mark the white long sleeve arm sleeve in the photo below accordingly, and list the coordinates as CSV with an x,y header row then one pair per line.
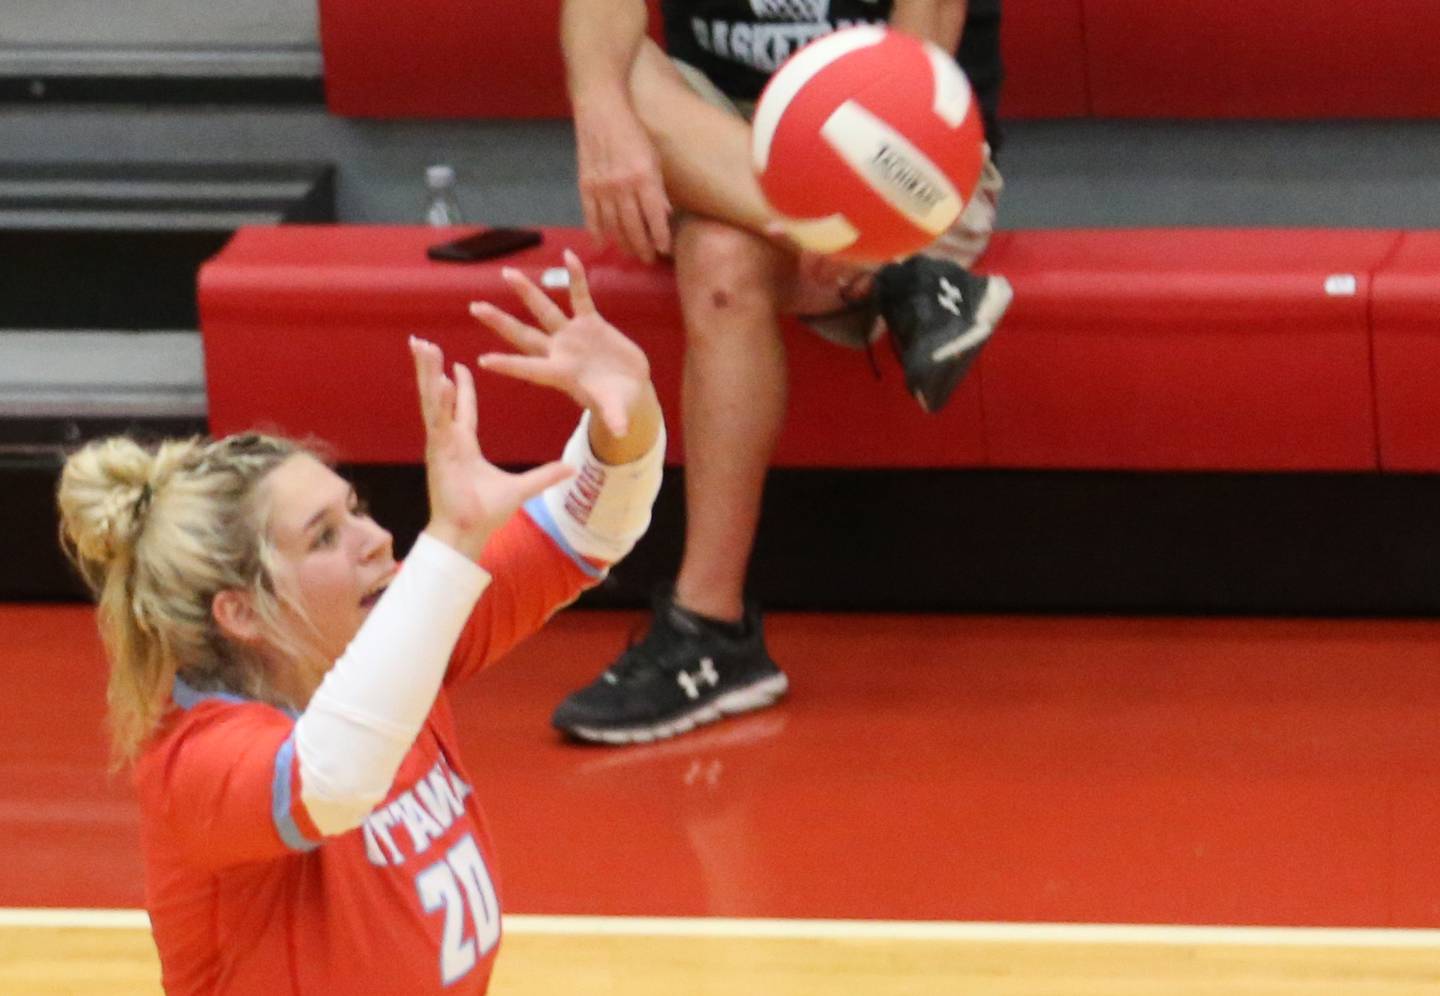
x,y
602,510
365,716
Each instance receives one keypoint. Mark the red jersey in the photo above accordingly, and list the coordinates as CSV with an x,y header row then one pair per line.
x,y
246,897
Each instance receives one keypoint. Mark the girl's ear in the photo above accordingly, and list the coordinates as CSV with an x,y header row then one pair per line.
x,y
235,614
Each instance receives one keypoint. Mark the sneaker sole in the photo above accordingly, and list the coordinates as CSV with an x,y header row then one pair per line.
x,y
761,695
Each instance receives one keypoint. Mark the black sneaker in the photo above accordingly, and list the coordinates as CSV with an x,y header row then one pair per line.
x,y
683,674
939,316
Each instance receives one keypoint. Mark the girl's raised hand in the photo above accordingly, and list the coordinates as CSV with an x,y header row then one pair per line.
x,y
582,354
469,496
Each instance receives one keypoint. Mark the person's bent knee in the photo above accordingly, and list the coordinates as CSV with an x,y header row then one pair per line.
x,y
720,268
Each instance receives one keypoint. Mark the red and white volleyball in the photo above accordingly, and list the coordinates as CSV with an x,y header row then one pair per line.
x,y
868,142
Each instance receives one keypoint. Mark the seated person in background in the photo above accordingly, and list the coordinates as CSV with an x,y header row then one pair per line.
x,y
279,683
655,132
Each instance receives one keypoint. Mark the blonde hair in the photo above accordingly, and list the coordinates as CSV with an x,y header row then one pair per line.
x,y
157,532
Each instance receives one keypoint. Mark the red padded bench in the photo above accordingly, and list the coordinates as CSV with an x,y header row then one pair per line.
x,y
1406,317
1184,349
457,59
1284,59
1278,59
305,329
1125,349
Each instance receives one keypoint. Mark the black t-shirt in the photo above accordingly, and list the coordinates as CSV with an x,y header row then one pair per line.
x,y
740,43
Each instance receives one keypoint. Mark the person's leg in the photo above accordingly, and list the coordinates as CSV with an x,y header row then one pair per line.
x,y
704,146
704,149
704,654
733,403
732,281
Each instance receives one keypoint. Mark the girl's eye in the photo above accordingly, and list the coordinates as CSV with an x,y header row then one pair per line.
x,y
325,538
360,508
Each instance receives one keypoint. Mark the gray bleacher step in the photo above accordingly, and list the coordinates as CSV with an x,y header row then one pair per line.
x,y
176,61
100,374
183,72
118,244
170,218
58,389
160,196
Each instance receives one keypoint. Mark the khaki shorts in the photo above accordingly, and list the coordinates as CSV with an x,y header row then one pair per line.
x,y
712,94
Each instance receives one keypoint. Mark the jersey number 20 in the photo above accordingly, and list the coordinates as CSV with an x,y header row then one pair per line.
x,y
459,881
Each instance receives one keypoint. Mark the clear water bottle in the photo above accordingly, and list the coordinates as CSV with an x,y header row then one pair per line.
x,y
443,209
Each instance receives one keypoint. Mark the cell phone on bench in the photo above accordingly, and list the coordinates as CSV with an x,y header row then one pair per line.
x,y
489,244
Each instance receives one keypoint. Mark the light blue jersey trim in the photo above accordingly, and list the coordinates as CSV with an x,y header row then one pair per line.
x,y
281,800
540,513
188,698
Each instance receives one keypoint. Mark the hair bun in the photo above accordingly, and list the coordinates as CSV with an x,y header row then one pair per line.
x,y
106,491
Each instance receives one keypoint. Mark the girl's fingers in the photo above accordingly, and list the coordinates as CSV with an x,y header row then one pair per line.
x,y
427,367
529,368
444,403
415,350
525,338
580,301
437,391
546,312
465,398
532,482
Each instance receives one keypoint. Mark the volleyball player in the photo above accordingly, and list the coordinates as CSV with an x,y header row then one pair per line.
x,y
278,680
